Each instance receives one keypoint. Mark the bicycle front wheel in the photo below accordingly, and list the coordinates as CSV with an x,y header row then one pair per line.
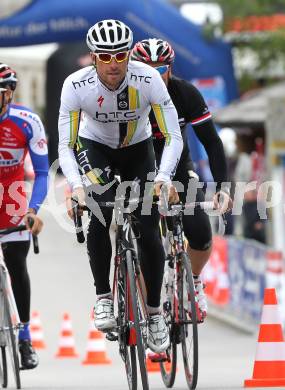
x,y
188,320
139,320
127,352
11,342
168,368
3,367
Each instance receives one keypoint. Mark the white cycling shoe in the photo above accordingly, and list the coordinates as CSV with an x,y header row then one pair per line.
x,y
158,336
104,314
201,297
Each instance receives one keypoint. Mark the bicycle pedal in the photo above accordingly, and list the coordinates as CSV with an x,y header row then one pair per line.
x,y
110,336
158,357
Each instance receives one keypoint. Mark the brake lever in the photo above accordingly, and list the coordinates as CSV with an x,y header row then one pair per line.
x,y
34,237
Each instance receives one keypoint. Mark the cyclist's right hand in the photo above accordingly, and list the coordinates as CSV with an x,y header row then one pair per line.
x,y
78,194
33,223
169,189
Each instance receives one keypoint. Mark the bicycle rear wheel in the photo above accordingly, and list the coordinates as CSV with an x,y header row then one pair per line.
x,y
188,318
127,352
11,342
3,367
139,320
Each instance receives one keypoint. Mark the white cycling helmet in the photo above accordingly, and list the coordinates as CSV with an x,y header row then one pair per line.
x,y
109,35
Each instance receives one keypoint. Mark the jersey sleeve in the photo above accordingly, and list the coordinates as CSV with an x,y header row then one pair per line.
x,y
196,109
37,145
167,120
68,125
199,116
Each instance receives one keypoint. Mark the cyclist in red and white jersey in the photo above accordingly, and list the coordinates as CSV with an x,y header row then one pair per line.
x,y
21,132
115,97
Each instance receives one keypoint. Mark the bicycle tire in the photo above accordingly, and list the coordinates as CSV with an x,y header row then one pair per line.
x,y
189,331
168,374
3,367
127,352
139,340
168,368
11,343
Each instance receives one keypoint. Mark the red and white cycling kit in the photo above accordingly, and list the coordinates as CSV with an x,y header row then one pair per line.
x,y
21,131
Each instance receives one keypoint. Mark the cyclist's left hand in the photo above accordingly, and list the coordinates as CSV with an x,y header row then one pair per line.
x,y
172,193
37,222
222,201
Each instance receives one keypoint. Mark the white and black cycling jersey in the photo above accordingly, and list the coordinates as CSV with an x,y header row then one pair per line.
x,y
117,118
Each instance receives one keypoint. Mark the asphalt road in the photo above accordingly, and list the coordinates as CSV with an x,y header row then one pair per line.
x,y
62,282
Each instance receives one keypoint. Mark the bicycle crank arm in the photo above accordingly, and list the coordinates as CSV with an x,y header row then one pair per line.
x,y
111,336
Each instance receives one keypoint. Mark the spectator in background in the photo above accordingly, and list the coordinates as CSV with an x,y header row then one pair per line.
x,y
250,167
228,137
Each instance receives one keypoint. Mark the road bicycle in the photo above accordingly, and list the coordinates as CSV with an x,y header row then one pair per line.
x,y
180,306
128,291
9,318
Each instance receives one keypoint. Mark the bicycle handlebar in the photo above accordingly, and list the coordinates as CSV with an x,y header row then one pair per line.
x,y
20,229
156,200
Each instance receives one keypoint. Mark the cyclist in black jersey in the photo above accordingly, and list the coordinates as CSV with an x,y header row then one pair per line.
x,y
191,108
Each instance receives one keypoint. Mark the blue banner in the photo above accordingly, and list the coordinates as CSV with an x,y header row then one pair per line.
x,y
45,21
247,278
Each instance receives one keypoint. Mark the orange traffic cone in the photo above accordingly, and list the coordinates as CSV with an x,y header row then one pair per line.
x,y
153,359
37,334
269,365
66,341
96,347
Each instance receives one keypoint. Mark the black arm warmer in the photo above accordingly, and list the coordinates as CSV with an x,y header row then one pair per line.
x,y
213,145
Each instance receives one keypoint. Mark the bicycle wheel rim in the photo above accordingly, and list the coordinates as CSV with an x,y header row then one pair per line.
x,y
11,335
137,312
189,331
3,367
3,339
128,352
168,369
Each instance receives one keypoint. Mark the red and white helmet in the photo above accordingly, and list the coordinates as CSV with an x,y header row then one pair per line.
x,y
153,50
7,77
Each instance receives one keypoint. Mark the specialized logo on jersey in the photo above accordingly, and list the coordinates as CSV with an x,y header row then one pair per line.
x,y
10,157
100,101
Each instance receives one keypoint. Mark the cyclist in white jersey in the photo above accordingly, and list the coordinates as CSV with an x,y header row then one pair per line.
x,y
104,115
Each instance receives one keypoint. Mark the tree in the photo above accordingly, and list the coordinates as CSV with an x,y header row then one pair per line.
x,y
267,45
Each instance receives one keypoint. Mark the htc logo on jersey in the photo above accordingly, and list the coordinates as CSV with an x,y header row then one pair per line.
x,y
116,116
82,83
84,161
146,79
